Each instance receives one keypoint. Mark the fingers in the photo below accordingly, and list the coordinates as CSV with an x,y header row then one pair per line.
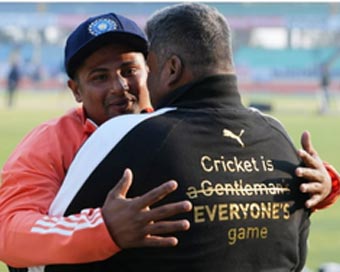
x,y
306,143
311,188
157,241
311,174
155,194
313,201
315,198
318,184
316,192
163,227
313,161
149,198
132,222
123,185
169,226
168,210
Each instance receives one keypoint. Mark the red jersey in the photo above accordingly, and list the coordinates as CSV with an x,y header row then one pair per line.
x,y
31,179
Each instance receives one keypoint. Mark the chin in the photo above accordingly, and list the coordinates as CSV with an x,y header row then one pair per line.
x,y
121,112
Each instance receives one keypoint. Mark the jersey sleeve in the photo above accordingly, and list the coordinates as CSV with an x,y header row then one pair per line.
x,y
335,193
30,181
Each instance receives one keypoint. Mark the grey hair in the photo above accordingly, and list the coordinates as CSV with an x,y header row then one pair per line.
x,y
197,33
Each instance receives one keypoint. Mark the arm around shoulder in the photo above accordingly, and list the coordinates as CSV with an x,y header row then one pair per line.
x,y
28,236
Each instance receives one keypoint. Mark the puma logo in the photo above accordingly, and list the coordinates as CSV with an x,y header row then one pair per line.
x,y
232,135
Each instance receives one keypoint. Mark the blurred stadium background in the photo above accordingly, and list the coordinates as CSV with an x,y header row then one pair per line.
x,y
278,47
280,52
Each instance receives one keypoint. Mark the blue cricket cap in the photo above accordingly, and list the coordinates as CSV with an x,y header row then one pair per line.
x,y
98,31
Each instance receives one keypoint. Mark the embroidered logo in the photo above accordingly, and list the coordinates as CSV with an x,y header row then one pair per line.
x,y
102,25
228,133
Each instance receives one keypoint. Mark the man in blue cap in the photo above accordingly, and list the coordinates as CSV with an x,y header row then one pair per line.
x,y
105,62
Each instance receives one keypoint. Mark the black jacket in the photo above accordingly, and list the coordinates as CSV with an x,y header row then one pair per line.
x,y
234,163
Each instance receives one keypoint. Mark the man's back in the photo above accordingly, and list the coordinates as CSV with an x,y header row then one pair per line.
x,y
234,164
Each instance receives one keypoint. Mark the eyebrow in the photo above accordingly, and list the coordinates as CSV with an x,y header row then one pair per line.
x,y
122,65
128,63
97,70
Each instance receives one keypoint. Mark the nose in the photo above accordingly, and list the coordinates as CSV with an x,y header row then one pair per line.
x,y
120,84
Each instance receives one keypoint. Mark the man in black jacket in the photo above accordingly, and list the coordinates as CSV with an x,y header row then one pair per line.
x,y
236,165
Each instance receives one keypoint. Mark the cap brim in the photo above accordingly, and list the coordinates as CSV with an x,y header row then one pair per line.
x,y
133,41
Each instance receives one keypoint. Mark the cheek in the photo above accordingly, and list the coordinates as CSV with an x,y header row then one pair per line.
x,y
138,85
93,99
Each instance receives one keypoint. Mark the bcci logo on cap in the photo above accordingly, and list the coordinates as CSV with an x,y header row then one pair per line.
x,y
101,26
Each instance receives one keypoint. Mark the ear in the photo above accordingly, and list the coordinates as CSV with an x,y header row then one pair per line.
x,y
174,68
74,86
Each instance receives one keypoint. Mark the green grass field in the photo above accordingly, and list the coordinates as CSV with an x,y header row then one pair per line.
x,y
297,113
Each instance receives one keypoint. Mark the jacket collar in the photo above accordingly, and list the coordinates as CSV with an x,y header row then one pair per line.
x,y
212,91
